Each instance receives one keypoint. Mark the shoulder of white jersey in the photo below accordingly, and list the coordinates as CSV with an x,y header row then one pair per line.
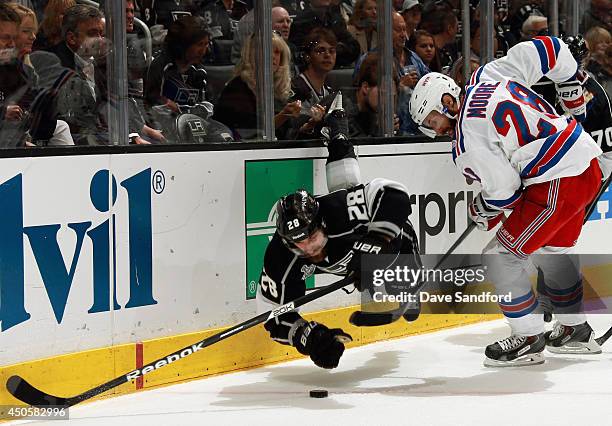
x,y
473,120
528,61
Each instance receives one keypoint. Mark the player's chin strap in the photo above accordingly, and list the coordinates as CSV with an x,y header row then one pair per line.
x,y
428,132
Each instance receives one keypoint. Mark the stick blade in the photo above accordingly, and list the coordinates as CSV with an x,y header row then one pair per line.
x,y
604,338
24,391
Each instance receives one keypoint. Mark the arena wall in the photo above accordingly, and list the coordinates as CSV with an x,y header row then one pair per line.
x,y
110,261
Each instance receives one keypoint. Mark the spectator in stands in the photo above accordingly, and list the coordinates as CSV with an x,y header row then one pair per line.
x,y
223,15
27,32
321,14
82,101
362,25
599,14
475,41
42,125
534,25
397,5
176,77
456,72
136,68
164,12
344,8
237,105
50,32
442,23
411,12
281,22
319,58
517,18
13,83
422,43
362,106
599,61
309,87
409,68
598,39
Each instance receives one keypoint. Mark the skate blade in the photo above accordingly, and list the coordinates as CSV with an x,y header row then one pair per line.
x,y
529,359
577,348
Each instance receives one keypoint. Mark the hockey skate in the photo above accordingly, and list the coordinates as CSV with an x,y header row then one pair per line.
x,y
572,339
515,351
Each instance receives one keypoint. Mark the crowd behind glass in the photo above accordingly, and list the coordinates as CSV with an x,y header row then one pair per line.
x,y
192,64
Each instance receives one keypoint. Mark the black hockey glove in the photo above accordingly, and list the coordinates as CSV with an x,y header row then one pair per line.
x,y
324,346
371,243
335,121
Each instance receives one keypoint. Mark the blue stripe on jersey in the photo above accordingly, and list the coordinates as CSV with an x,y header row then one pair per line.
x,y
478,74
566,146
544,150
505,203
460,143
543,55
556,46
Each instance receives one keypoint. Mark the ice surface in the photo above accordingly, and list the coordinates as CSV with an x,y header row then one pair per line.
x,y
432,379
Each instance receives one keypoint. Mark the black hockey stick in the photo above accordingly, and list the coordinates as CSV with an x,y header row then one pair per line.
x,y
540,280
604,337
373,319
24,391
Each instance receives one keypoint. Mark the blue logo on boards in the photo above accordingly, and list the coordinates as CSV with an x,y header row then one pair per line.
x,y
58,275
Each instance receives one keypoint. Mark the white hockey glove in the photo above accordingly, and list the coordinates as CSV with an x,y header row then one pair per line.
x,y
571,98
485,217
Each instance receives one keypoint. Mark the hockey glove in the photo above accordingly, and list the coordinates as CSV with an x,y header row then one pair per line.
x,y
335,121
485,217
572,99
371,243
324,346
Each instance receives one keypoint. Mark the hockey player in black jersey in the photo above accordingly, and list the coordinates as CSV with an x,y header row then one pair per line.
x,y
328,234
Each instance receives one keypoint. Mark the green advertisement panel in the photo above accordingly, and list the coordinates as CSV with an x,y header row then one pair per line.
x,y
266,182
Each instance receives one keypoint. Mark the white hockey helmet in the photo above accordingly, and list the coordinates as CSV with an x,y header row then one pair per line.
x,y
427,97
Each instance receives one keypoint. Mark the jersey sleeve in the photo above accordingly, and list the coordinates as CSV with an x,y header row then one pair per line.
x,y
388,205
531,60
501,183
280,282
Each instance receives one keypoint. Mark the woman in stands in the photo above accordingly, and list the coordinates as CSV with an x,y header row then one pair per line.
x,y
237,105
50,32
35,97
362,25
423,44
176,77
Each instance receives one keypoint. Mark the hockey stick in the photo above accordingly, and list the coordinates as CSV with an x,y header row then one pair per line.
x,y
540,280
24,391
604,337
373,319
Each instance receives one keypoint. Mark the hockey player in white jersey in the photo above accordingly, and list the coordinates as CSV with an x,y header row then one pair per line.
x,y
533,163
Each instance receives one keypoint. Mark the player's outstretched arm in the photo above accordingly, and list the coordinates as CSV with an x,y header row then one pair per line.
x,y
281,281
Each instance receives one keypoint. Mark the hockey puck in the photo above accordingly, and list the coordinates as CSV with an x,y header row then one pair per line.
x,y
318,393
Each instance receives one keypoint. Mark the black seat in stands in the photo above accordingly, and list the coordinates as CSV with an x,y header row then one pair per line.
x,y
340,79
223,51
217,76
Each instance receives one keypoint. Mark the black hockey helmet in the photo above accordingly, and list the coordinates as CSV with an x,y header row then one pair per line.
x,y
577,46
297,216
